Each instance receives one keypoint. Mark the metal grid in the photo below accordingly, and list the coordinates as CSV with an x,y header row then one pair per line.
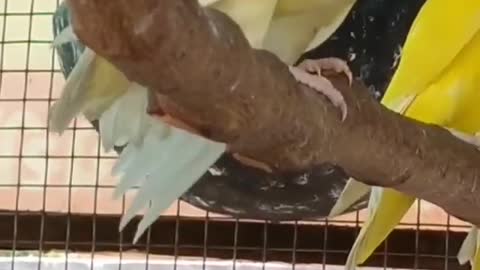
x,y
55,191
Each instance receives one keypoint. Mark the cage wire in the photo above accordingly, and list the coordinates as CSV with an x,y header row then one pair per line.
x,y
57,210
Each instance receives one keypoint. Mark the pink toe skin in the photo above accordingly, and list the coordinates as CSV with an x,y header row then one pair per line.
x,y
331,63
322,85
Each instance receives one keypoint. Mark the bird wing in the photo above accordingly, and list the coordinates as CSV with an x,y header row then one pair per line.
x,y
253,17
159,159
162,160
439,32
300,25
286,28
87,89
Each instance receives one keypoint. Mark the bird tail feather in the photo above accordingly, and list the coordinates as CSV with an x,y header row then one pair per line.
x,y
90,88
351,193
387,207
74,94
163,161
469,245
470,249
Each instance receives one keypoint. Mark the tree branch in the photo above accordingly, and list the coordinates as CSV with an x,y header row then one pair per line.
x,y
201,62
233,188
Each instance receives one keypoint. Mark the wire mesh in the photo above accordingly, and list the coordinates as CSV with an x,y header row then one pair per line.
x,y
55,192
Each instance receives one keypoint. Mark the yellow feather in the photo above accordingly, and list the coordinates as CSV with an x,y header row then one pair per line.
x,y
440,30
253,17
440,66
90,89
475,262
300,25
286,28
101,92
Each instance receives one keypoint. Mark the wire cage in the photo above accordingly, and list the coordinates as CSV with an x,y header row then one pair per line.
x,y
57,210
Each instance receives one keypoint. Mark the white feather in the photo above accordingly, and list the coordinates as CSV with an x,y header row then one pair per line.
x,y
169,166
468,248
151,156
177,175
125,159
324,32
65,36
113,129
375,196
144,123
107,127
74,95
162,160
352,192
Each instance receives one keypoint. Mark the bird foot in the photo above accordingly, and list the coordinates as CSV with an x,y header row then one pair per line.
x,y
252,163
324,64
321,83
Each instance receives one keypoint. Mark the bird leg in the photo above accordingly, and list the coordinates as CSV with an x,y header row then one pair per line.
x,y
319,82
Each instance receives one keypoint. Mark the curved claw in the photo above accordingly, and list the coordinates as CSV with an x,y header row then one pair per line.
x,y
330,63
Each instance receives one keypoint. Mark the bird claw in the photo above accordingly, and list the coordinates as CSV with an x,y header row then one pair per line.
x,y
330,63
319,82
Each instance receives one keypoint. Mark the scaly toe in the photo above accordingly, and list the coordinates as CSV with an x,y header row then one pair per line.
x,y
331,63
322,85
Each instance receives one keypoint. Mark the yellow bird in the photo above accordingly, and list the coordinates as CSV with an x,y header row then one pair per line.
x,y
153,158
437,82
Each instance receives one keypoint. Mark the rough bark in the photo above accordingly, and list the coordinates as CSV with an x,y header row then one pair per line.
x,y
199,59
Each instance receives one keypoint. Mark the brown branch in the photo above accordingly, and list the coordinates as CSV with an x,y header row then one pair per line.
x,y
199,59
